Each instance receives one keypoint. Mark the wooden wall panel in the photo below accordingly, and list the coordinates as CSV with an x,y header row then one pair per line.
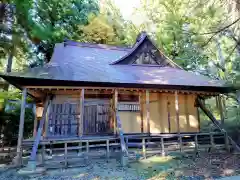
x,y
192,114
182,113
163,113
155,121
131,121
172,112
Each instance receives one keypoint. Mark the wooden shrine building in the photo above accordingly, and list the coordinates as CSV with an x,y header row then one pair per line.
x,y
95,90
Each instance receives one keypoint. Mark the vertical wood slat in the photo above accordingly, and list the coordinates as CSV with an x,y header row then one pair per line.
x,y
21,127
115,109
177,111
80,126
147,111
187,111
168,115
141,110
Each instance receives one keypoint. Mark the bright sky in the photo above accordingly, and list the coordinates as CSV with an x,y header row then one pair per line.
x,y
127,7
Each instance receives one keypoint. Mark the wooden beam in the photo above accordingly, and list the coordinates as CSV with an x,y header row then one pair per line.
x,y
177,111
115,110
120,89
81,119
147,111
21,127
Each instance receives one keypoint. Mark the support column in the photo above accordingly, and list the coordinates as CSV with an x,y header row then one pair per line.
x,y
147,111
21,128
177,111
80,123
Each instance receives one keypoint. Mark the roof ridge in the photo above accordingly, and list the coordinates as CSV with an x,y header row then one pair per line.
x,y
94,45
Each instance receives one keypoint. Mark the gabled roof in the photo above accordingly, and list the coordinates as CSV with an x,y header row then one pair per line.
x,y
143,39
83,64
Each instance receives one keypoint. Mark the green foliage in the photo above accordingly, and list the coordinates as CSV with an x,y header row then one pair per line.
x,y
10,123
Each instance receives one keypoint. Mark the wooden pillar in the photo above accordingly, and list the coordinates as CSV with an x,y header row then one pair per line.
x,y
21,127
47,119
115,110
141,111
81,119
35,120
147,111
177,111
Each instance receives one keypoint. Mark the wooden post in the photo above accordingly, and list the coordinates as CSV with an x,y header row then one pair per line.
x,y
141,110
180,143
21,126
144,147
43,154
162,146
126,142
87,146
81,119
196,143
212,140
177,111
115,110
65,154
147,111
35,120
226,142
108,151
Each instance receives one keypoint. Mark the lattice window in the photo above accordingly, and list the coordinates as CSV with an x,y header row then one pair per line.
x,y
63,120
129,107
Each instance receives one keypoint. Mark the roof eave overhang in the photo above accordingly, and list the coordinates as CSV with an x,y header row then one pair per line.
x,y
21,82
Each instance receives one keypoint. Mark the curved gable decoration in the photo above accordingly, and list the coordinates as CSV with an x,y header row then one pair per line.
x,y
144,52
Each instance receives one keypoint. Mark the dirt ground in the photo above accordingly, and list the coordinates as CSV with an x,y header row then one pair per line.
x,y
175,166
